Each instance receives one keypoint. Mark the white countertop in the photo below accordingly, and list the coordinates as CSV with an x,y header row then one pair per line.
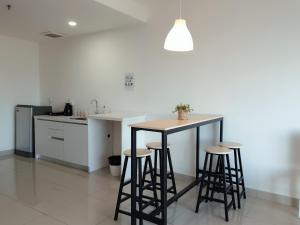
x,y
117,116
112,116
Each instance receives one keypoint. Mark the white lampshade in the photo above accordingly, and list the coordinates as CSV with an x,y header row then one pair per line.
x,y
179,38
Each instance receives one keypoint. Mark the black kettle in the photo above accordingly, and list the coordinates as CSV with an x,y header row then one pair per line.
x,y
68,111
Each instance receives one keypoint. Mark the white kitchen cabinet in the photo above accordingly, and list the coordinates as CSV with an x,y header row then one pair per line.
x,y
85,143
76,144
63,141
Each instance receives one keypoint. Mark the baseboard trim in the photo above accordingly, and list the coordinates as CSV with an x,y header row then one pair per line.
x,y
63,163
281,199
24,154
277,198
7,152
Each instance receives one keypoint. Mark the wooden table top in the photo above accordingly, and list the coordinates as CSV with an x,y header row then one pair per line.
x,y
169,124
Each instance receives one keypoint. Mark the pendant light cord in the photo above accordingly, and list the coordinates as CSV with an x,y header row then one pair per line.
x,y
180,9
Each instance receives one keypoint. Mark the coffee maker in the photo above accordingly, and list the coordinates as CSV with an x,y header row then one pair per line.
x,y
68,111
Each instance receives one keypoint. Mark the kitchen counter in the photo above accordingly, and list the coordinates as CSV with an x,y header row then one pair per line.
x,y
113,116
85,143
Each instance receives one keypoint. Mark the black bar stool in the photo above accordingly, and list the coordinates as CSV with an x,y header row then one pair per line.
x,y
143,200
238,170
156,146
219,183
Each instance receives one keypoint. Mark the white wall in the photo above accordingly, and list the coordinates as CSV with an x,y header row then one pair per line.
x,y
19,83
245,66
135,9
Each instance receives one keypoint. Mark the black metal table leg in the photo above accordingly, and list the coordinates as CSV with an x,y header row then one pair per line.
x,y
163,177
133,176
197,153
140,175
155,167
221,130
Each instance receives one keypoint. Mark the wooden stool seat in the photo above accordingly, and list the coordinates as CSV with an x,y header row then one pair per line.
x,y
218,150
232,145
140,152
155,145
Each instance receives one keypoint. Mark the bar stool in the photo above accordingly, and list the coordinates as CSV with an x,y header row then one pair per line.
x,y
238,170
156,146
142,199
219,183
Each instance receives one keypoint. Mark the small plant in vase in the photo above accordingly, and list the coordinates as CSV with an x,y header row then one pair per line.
x,y
183,110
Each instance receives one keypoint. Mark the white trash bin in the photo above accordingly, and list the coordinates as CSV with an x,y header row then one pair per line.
x,y
115,171
115,165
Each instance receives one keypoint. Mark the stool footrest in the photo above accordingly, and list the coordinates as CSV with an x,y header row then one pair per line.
x,y
169,175
124,212
233,169
152,202
219,189
240,180
126,183
229,205
158,187
127,196
242,193
148,187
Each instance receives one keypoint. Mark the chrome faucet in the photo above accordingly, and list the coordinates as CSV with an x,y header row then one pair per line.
x,y
96,101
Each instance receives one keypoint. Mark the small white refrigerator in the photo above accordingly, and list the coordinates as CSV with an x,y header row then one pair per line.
x,y
24,128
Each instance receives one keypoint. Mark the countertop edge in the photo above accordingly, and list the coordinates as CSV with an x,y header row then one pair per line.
x,y
61,119
116,118
147,126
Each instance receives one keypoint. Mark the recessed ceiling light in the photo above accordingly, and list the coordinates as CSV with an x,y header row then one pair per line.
x,y
72,23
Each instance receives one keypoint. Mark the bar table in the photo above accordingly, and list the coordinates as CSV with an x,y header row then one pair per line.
x,y
165,128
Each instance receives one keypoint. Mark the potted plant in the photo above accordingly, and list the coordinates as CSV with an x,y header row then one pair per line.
x,y
183,110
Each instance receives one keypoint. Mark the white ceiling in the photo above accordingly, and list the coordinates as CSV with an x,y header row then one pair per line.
x,y
27,19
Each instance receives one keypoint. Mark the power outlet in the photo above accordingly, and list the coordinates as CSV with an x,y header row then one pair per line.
x,y
129,80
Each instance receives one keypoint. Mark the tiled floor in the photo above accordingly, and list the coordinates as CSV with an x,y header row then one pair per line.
x,y
41,193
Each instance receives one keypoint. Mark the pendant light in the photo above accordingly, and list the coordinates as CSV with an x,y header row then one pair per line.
x,y
179,38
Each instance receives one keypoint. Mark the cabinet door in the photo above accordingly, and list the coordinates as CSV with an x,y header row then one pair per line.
x,y
41,138
76,144
49,139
